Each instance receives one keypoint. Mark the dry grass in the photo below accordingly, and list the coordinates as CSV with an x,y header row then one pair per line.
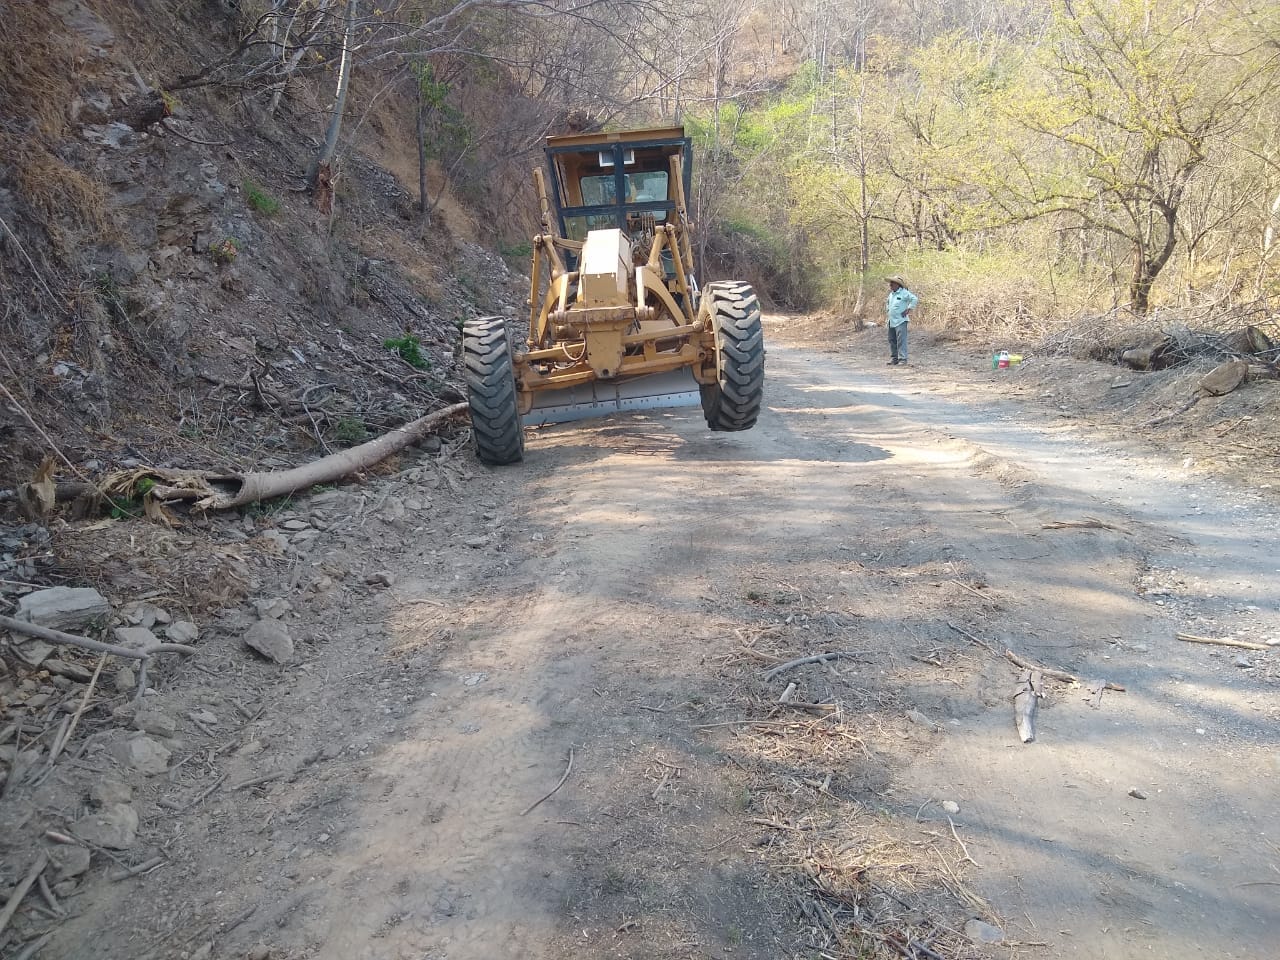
x,y
39,68
872,878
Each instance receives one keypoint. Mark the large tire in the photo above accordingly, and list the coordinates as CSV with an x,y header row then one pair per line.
x,y
733,401
496,431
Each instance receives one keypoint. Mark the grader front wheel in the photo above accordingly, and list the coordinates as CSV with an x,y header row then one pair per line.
x,y
733,401
496,430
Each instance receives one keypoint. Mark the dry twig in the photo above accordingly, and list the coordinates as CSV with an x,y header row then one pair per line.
x,y
567,770
816,658
1222,641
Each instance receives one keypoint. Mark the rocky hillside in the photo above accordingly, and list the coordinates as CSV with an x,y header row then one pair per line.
x,y
173,295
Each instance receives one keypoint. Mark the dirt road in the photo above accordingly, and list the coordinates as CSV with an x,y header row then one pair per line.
x,y
603,619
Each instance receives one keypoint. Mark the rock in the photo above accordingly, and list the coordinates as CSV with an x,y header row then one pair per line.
x,y
383,578
921,719
203,716
475,543
141,753
135,638
114,827
72,671
272,608
182,631
155,722
1139,648
981,932
271,639
259,952
32,652
1243,662
63,608
951,807
274,540
125,680
110,791
65,888
203,952
1137,794
295,525
69,860
140,615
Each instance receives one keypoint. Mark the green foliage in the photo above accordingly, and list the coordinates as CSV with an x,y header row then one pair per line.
x,y
409,348
518,251
259,200
269,508
126,509
348,432
1099,158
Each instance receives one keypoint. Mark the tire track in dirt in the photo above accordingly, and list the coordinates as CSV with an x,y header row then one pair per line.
x,y
1095,872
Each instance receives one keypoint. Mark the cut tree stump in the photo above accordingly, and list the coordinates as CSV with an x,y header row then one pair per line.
x,y
1155,355
1224,378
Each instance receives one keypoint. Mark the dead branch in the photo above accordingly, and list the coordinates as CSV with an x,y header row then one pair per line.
x,y
1084,523
816,658
57,636
1055,674
1221,641
548,796
143,867
20,891
1027,664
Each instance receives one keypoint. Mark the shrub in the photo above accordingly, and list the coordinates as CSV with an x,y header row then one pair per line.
x,y
260,200
409,347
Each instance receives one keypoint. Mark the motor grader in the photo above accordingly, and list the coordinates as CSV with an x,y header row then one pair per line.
x,y
617,320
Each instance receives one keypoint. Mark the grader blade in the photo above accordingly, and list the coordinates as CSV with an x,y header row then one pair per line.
x,y
603,397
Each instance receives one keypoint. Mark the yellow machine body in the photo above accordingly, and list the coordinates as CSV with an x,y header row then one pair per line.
x,y
614,317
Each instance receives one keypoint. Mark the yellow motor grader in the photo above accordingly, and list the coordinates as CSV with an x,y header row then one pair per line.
x,y
616,318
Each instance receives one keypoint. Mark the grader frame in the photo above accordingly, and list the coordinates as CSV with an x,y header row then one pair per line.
x,y
616,318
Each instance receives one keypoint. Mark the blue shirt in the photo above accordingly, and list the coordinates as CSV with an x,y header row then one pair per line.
x,y
896,307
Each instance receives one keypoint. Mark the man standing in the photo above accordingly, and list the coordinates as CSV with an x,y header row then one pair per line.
x,y
897,311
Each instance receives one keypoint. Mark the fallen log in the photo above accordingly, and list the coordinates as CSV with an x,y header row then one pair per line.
x,y
225,491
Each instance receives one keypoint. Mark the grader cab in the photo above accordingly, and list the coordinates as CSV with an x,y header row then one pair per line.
x,y
617,320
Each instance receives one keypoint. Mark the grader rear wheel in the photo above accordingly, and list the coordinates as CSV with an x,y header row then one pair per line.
x,y
733,401
496,430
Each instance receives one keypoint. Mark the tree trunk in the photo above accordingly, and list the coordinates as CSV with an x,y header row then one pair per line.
x,y
1146,268
330,146
424,202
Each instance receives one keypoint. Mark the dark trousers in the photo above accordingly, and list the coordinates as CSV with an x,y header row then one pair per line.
x,y
898,342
